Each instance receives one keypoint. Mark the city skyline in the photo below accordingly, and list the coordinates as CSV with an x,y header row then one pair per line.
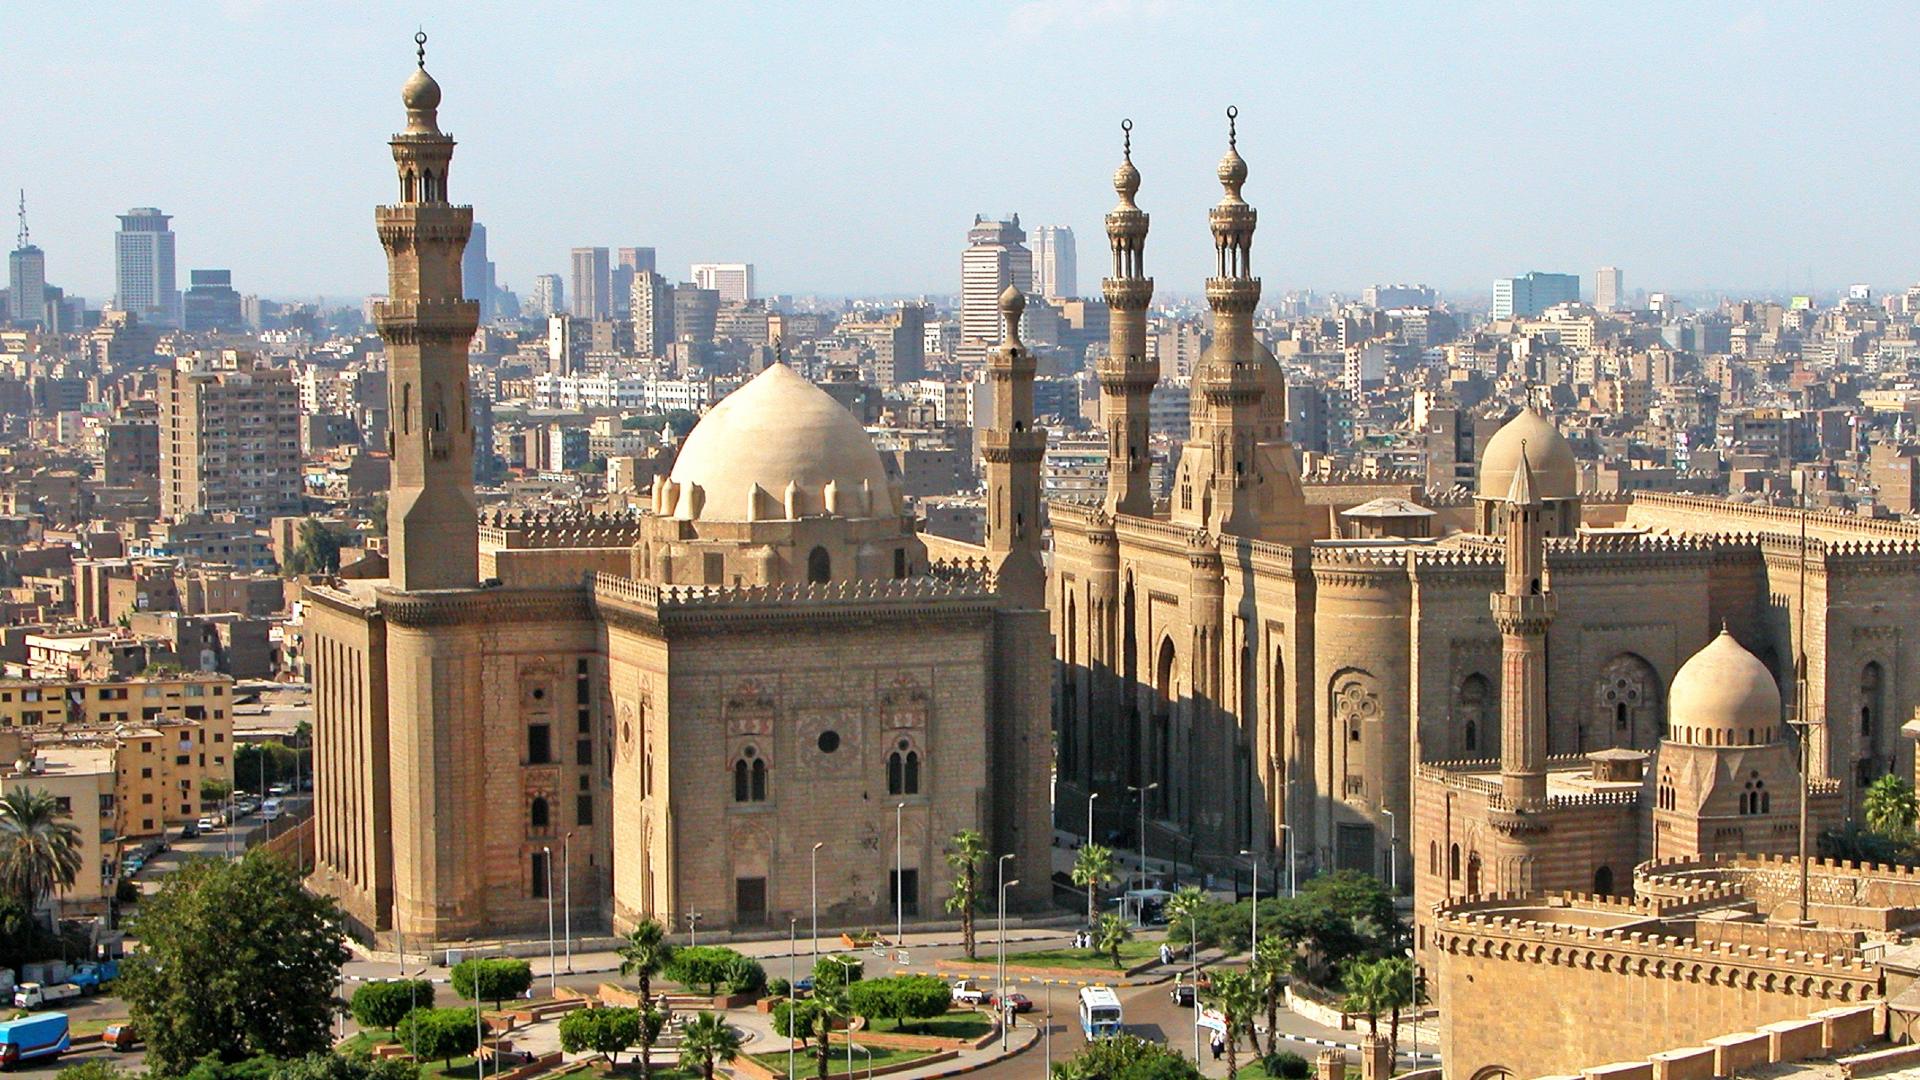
x,y
1451,149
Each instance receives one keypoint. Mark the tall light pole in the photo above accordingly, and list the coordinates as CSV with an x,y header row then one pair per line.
x,y
1393,844
1048,984
793,926
1000,998
1286,833
553,968
1141,792
1090,799
693,927
566,883
1193,976
899,881
814,860
1253,944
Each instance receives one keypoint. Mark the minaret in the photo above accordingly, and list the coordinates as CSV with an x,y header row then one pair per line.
x,y
1127,373
1237,476
1524,609
432,528
1013,450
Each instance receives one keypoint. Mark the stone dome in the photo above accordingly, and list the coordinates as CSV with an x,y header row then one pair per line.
x,y
1723,696
775,444
1555,474
421,92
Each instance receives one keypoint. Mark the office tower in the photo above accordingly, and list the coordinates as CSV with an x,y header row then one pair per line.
x,y
1532,293
635,259
26,277
1388,297
733,281
476,273
651,304
229,438
696,311
996,257
1054,273
549,296
1609,289
211,304
592,283
628,263
143,266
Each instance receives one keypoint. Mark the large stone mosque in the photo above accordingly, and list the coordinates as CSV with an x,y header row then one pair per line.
x,y
683,713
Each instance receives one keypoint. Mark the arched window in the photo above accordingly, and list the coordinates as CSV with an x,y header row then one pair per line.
x,y
759,778
1472,705
741,791
537,815
819,566
1453,862
1603,881
1627,705
1433,856
903,770
749,777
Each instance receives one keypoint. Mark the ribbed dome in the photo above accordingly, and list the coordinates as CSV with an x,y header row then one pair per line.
x,y
778,430
1721,694
1555,474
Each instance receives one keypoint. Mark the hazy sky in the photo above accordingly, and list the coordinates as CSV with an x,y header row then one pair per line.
x,y
844,148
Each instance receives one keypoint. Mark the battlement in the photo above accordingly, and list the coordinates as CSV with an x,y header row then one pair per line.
x,y
1787,518
966,580
585,529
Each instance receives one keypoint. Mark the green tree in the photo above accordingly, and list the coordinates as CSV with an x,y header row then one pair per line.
x,y
382,1004
811,1020
1272,963
1093,868
1395,975
259,766
1110,934
439,1034
1183,911
316,549
95,1069
708,1040
1232,993
1890,809
352,1066
39,846
701,965
644,954
1367,991
652,1022
1286,1065
964,854
492,978
235,959
1126,1057
215,790
745,976
377,515
607,1031
901,998
835,972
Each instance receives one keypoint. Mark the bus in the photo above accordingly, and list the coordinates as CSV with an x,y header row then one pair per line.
x,y
1099,1012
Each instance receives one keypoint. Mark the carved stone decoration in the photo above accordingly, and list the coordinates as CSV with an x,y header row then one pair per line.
x,y
827,741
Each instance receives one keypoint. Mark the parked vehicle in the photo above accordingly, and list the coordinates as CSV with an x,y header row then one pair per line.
x,y
208,823
190,830
280,789
32,995
968,992
1014,1002
120,1038
270,809
40,1035
92,978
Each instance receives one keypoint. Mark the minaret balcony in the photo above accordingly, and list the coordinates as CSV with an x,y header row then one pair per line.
x,y
1127,294
1524,613
1234,295
1119,374
999,447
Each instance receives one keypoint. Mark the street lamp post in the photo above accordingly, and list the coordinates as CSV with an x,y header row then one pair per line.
x,y
1001,999
899,881
1091,884
566,883
1048,984
1193,976
1142,793
1286,833
553,968
1393,844
792,927
815,861
1253,941
693,927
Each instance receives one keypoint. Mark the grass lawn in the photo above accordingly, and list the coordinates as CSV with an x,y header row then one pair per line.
x,y
95,1025
1131,953
583,1070
956,1024
805,1064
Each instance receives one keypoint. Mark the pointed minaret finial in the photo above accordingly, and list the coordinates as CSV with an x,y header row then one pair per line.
x,y
420,46
1013,303
1233,127
1126,139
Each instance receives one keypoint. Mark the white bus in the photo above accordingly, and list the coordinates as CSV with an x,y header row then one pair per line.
x,y
1099,1012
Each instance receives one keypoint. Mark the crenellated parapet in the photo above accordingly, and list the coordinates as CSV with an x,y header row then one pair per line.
x,y
503,530
1761,518
1775,879
949,589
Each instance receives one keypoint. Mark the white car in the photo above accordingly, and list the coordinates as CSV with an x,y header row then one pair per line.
x,y
968,992
208,824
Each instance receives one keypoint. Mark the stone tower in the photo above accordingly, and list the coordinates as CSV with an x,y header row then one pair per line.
x,y
1127,373
432,529
1523,610
1013,450
1237,475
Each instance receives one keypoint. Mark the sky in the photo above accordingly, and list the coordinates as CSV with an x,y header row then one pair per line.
x,y
844,148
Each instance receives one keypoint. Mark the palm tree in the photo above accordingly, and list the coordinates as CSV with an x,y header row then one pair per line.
x,y
1890,809
1232,993
1273,961
1395,974
643,955
1092,868
1367,992
968,849
652,1022
1183,910
39,847
830,1004
707,1039
1110,934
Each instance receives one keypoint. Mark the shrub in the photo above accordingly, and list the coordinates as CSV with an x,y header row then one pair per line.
x,y
702,965
603,1031
438,1034
832,973
901,997
492,978
745,975
1286,1065
778,988
383,1004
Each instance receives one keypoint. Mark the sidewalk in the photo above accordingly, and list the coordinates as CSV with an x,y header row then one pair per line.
x,y
761,1038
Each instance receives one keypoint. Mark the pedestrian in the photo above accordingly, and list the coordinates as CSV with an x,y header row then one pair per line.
x,y
1166,955
1219,1046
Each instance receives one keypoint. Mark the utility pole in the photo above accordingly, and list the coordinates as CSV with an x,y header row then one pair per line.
x,y
1802,719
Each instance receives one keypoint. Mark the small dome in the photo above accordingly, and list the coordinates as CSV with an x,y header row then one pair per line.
x,y
1126,181
421,93
1232,171
1555,474
779,431
1724,690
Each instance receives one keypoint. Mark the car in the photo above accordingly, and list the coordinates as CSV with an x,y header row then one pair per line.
x,y
121,1038
280,790
968,992
208,823
1181,994
190,830
1015,1002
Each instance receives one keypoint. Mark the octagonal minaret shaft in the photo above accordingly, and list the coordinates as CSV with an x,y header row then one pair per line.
x,y
432,528
1127,374
1523,610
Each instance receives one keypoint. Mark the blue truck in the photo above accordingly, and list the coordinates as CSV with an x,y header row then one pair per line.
x,y
38,1035
92,978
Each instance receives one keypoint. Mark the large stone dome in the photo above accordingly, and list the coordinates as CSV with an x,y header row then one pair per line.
x,y
1555,473
778,443
1724,696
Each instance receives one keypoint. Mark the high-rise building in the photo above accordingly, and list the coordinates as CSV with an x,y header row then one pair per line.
x,y
696,311
996,257
1389,297
636,259
210,303
26,277
628,263
1609,289
477,272
651,304
733,281
592,283
1054,274
1530,294
549,295
229,438
143,266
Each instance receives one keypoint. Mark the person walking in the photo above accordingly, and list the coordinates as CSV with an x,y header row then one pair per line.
x,y
1218,1044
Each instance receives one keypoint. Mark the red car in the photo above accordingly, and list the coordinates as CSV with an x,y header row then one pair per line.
x,y
1017,1002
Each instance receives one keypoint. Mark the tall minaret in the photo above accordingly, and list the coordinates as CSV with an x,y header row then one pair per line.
x,y
1127,373
432,528
1013,450
1524,609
